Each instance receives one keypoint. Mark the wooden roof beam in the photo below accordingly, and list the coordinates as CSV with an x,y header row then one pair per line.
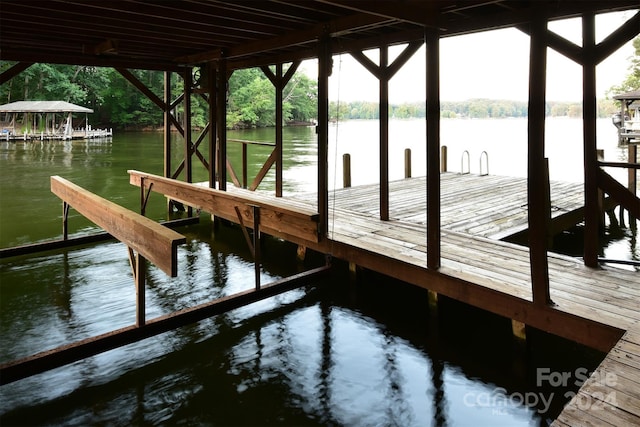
x,y
412,11
333,28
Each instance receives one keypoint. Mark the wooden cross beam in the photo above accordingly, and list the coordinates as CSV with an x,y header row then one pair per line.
x,y
151,240
278,217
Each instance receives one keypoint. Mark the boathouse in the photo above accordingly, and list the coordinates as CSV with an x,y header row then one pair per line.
x,y
203,42
46,120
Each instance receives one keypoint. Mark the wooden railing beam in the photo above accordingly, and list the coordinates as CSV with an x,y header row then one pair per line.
x,y
155,242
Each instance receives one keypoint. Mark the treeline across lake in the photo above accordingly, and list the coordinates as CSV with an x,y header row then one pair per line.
x,y
250,103
117,104
472,108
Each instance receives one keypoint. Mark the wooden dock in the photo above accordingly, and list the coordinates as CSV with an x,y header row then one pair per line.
x,y
488,206
611,396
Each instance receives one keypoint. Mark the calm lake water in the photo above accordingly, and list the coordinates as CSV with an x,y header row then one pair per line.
x,y
334,353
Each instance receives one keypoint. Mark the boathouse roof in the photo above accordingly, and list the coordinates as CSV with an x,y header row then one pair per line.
x,y
634,94
172,34
43,107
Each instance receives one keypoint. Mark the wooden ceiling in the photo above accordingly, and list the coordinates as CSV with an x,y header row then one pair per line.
x,y
170,34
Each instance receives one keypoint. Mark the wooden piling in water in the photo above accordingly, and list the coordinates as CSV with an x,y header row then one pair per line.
x,y
407,162
443,158
346,170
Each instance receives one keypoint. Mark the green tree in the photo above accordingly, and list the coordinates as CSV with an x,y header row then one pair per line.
x,y
632,82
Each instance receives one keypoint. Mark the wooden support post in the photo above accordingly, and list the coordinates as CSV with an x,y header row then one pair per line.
x,y
257,250
245,158
213,125
633,181
433,302
301,253
346,170
536,184
519,330
279,123
407,162
443,158
384,133
221,119
601,210
65,220
589,114
432,39
325,65
633,173
167,130
138,267
188,140
353,271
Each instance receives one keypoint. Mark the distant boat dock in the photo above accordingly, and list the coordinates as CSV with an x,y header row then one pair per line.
x,y
46,120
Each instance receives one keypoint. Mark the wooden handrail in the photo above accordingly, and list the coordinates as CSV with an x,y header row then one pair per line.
x,y
245,142
279,217
619,165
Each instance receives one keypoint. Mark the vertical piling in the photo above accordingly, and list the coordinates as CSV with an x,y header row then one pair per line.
x,y
346,170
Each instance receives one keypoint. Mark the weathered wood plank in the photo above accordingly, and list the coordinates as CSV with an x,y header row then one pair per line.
x,y
278,217
153,241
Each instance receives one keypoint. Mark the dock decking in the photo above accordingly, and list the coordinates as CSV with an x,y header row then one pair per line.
x,y
489,206
611,396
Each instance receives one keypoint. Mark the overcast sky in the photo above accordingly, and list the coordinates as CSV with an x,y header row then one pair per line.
x,y
492,64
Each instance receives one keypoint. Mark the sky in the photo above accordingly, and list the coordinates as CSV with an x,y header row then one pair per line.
x,y
493,64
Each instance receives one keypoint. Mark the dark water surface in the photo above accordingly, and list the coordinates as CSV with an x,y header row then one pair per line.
x,y
337,352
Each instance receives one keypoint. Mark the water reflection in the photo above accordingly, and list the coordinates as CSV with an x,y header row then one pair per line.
x,y
326,355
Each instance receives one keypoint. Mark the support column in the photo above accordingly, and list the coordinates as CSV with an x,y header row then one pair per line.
x,y
279,124
384,133
188,143
537,178
167,130
589,114
432,39
325,65
213,125
221,123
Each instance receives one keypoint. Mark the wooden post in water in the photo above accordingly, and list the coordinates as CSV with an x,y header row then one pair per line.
x,y
346,170
601,212
432,40
443,158
589,110
519,330
407,162
384,132
325,67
